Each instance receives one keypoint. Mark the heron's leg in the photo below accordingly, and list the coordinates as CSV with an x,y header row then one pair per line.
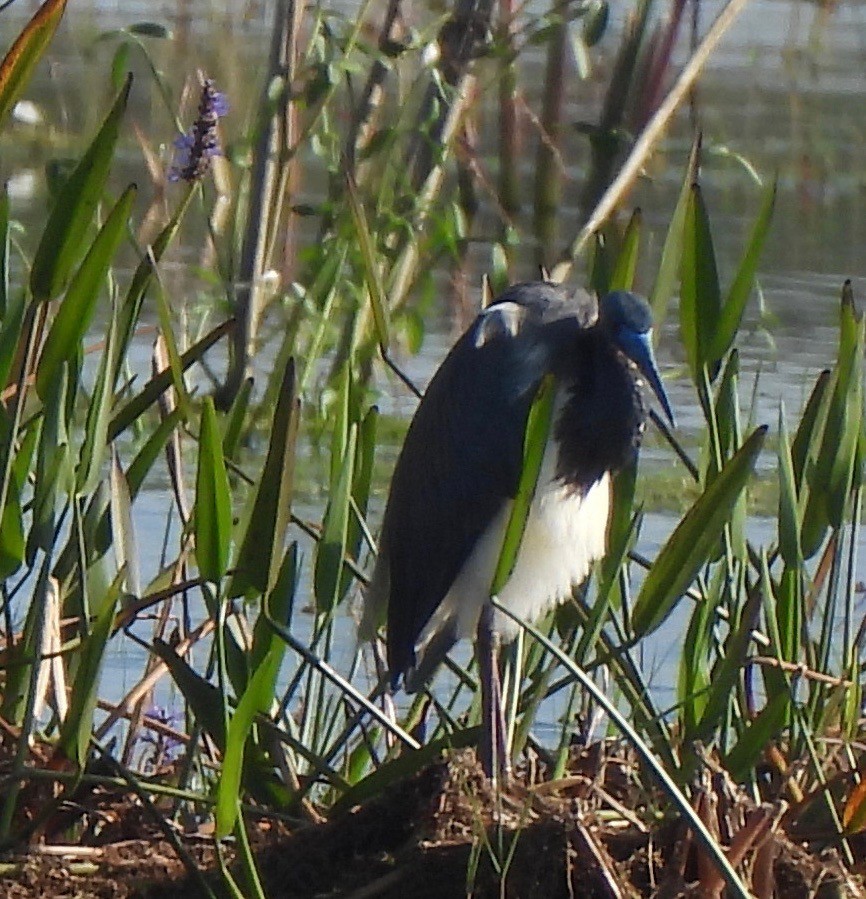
x,y
493,749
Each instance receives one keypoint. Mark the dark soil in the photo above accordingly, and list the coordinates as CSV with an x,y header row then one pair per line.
x,y
441,833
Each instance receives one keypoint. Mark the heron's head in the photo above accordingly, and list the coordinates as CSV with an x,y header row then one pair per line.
x,y
627,319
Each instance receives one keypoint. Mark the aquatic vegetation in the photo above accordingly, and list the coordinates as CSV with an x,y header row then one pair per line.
x,y
248,615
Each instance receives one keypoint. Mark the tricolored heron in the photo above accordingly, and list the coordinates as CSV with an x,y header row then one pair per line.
x,y
458,472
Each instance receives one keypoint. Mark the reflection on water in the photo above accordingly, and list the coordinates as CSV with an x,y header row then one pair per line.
x,y
784,91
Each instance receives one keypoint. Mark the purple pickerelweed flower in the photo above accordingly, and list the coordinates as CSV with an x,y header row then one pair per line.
x,y
195,149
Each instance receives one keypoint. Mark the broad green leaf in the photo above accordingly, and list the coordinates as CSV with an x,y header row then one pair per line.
x,y
150,451
25,53
693,678
11,531
265,534
21,653
206,703
694,539
365,452
622,276
122,531
672,252
52,467
79,304
843,429
830,474
213,518
203,697
600,274
757,736
723,337
700,294
67,229
789,520
812,416
74,741
538,426
332,543
235,419
789,614
256,700
280,602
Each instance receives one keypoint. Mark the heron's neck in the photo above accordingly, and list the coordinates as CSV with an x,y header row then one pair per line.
x,y
602,420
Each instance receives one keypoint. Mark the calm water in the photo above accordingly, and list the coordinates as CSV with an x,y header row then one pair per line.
x,y
785,91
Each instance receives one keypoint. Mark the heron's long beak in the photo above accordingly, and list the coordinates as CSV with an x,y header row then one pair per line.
x,y
639,348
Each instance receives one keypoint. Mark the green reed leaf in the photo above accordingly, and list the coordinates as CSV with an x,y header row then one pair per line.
x,y
332,544
694,539
722,338
789,519
265,533
68,224
700,294
52,468
757,736
25,53
74,740
622,276
672,251
122,529
256,700
79,304
213,518
538,426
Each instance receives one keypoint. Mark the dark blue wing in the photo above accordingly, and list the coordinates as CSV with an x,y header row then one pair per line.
x,y
463,453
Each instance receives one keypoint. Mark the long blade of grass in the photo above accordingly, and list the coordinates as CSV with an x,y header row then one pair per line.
x,y
67,227
700,294
256,700
79,304
534,444
122,529
262,542
731,315
672,251
694,539
213,515
622,277
74,740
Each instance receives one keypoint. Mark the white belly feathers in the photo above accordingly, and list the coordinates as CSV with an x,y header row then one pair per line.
x,y
565,533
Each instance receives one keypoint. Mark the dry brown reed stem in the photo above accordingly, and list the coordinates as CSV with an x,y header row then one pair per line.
x,y
644,145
